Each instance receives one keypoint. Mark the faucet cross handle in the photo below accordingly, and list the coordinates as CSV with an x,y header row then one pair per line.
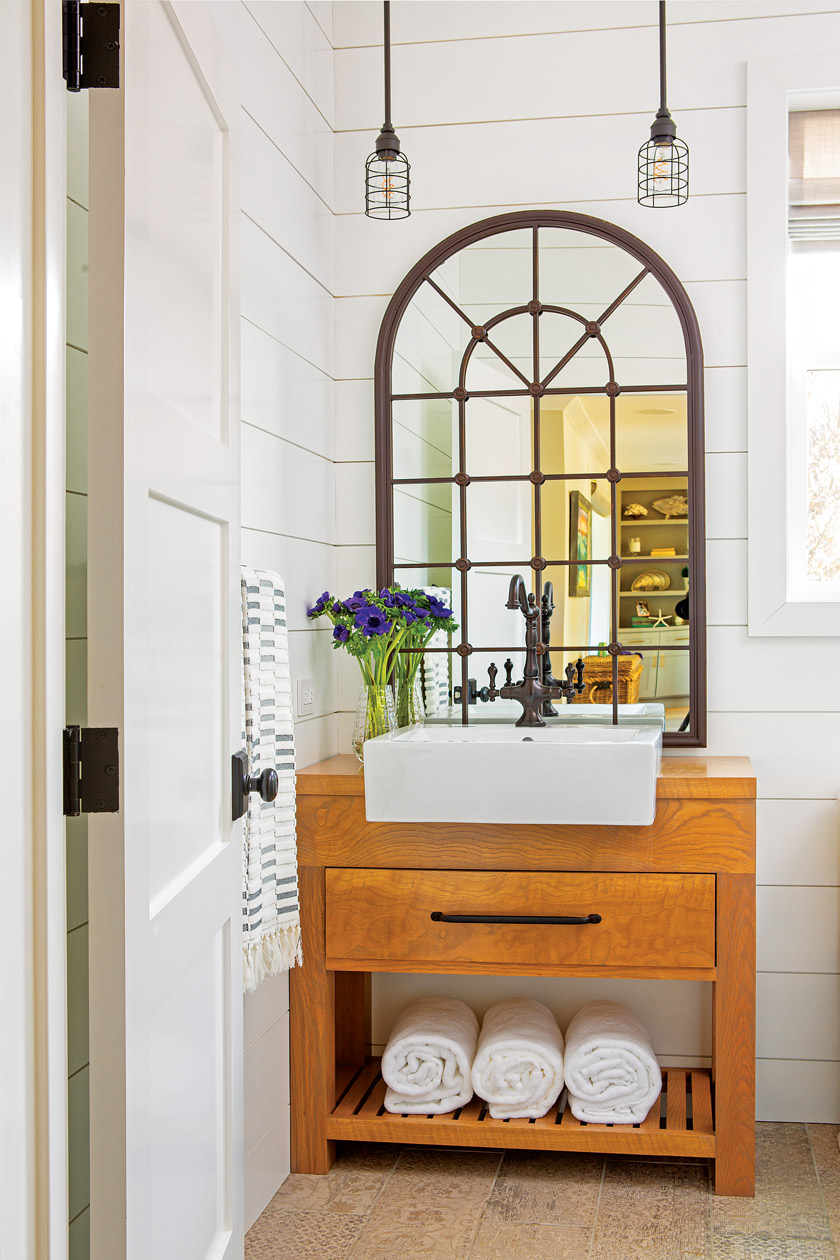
x,y
572,669
489,693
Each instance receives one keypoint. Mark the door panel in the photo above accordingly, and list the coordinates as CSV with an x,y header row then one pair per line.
x,y
165,651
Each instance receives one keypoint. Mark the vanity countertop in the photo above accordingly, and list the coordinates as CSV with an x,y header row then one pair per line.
x,y
680,778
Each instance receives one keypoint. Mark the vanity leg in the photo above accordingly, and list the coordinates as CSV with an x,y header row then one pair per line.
x,y
312,1033
352,1017
734,1036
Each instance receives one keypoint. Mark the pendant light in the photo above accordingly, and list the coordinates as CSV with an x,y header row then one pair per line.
x,y
386,170
663,160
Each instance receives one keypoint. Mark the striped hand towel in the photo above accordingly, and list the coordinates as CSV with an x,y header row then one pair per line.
x,y
270,909
436,667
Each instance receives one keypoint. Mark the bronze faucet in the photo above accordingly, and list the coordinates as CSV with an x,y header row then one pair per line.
x,y
532,692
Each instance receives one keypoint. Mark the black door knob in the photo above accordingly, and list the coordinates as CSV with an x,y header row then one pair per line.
x,y
267,784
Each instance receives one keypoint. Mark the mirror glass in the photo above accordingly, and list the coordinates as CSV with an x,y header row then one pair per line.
x,y
539,425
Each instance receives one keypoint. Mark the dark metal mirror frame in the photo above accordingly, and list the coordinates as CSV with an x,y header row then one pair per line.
x,y
651,263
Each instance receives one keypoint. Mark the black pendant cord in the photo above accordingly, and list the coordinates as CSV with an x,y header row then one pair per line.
x,y
387,182
386,43
663,107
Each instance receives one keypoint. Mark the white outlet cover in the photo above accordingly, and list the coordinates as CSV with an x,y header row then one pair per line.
x,y
305,696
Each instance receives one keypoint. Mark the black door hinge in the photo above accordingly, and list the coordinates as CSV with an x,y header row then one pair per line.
x,y
91,770
91,45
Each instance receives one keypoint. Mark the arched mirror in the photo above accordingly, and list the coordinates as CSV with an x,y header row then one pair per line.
x,y
539,410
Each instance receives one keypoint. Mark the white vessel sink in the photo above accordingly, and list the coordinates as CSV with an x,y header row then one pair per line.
x,y
601,775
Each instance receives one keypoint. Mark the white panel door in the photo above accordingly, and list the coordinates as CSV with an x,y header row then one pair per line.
x,y
164,646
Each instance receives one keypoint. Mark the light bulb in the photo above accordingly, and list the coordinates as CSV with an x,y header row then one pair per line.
x,y
384,187
663,165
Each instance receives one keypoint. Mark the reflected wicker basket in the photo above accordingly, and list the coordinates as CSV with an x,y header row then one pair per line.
x,y
598,678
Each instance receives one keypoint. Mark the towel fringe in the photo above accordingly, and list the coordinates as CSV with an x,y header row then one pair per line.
x,y
275,952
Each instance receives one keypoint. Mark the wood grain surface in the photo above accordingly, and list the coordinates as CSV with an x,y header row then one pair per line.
x,y
646,920
361,1116
685,836
734,1035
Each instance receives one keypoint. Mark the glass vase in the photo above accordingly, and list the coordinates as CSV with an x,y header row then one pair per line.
x,y
375,715
411,710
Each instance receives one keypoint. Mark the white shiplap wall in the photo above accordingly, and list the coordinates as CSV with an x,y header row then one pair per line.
x,y
283,55
489,102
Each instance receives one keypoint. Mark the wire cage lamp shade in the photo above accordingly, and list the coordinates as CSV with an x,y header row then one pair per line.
x,y
663,159
387,185
387,181
663,172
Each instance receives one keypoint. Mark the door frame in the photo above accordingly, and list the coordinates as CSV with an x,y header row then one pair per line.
x,y
33,1041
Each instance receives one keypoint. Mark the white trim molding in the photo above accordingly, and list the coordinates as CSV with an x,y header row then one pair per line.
x,y
774,607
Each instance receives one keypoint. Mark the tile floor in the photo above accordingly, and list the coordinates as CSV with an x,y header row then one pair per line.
x,y
402,1203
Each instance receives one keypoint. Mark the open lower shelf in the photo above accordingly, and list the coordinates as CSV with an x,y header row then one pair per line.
x,y
680,1124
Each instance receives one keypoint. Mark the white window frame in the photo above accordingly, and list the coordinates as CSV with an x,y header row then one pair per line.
x,y
776,607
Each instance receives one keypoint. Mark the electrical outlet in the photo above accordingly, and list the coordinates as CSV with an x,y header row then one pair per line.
x,y
305,696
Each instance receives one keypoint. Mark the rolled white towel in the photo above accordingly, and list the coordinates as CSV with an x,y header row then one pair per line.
x,y
611,1071
427,1061
518,1066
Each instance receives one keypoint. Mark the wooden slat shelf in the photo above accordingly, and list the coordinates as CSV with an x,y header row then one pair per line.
x,y
681,1124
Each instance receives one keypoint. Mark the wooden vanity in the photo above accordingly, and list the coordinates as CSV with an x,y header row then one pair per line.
x,y
676,900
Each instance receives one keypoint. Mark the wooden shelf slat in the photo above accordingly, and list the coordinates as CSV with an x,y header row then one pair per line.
x,y
358,1089
701,1102
357,1118
375,1100
676,1099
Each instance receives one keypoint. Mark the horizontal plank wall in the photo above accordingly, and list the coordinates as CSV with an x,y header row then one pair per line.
x,y
283,55
549,102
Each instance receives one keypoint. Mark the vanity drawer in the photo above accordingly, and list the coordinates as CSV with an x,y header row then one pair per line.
x,y
382,920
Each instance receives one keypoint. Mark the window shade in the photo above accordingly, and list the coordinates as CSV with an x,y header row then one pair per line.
x,y
814,180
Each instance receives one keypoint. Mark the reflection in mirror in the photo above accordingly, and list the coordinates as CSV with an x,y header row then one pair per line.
x,y
423,531
425,438
492,275
645,338
498,436
431,339
651,432
592,479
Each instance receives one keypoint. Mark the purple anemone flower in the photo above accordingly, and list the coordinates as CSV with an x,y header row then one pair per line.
x,y
342,633
437,607
355,603
320,604
373,621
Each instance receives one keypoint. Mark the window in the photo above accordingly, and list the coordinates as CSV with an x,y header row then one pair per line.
x,y
813,335
793,269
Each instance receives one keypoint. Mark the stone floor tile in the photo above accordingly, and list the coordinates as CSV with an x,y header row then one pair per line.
x,y
350,1187
788,1201
302,1236
441,1176
546,1188
411,1228
760,1247
496,1241
823,1138
658,1211
349,1192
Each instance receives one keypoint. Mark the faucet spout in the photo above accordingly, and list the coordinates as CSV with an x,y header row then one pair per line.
x,y
517,595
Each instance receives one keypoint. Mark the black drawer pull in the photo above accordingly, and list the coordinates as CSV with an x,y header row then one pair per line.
x,y
438,916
